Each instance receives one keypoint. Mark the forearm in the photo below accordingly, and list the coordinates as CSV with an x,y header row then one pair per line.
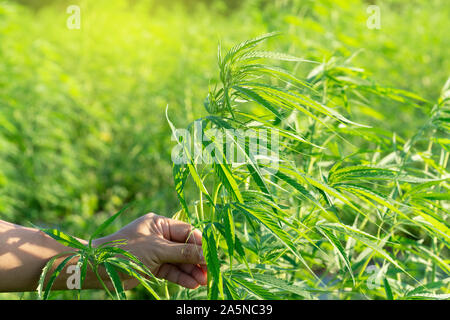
x,y
170,249
23,254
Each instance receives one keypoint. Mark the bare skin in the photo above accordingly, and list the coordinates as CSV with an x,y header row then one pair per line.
x,y
171,250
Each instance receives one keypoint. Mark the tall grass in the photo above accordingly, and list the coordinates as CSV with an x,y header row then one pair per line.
x,y
347,211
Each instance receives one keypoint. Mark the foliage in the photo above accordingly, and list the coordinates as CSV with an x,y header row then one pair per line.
x,y
82,133
107,256
324,209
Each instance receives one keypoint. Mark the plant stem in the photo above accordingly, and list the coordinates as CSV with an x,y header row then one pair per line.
x,y
102,282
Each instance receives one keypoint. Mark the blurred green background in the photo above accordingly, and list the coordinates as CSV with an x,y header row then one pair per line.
x,y
82,112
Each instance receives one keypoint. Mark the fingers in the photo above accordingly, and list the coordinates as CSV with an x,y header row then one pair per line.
x,y
130,284
176,275
197,272
183,232
186,253
177,251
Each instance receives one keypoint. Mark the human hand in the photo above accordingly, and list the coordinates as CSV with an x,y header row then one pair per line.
x,y
171,249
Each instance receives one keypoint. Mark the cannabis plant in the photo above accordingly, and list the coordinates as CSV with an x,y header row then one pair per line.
x,y
323,206
107,256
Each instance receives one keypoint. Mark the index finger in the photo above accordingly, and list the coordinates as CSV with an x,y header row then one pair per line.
x,y
183,232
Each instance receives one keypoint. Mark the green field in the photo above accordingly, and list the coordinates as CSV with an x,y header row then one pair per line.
x,y
83,132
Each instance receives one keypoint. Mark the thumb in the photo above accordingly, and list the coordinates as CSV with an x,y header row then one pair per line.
x,y
182,253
